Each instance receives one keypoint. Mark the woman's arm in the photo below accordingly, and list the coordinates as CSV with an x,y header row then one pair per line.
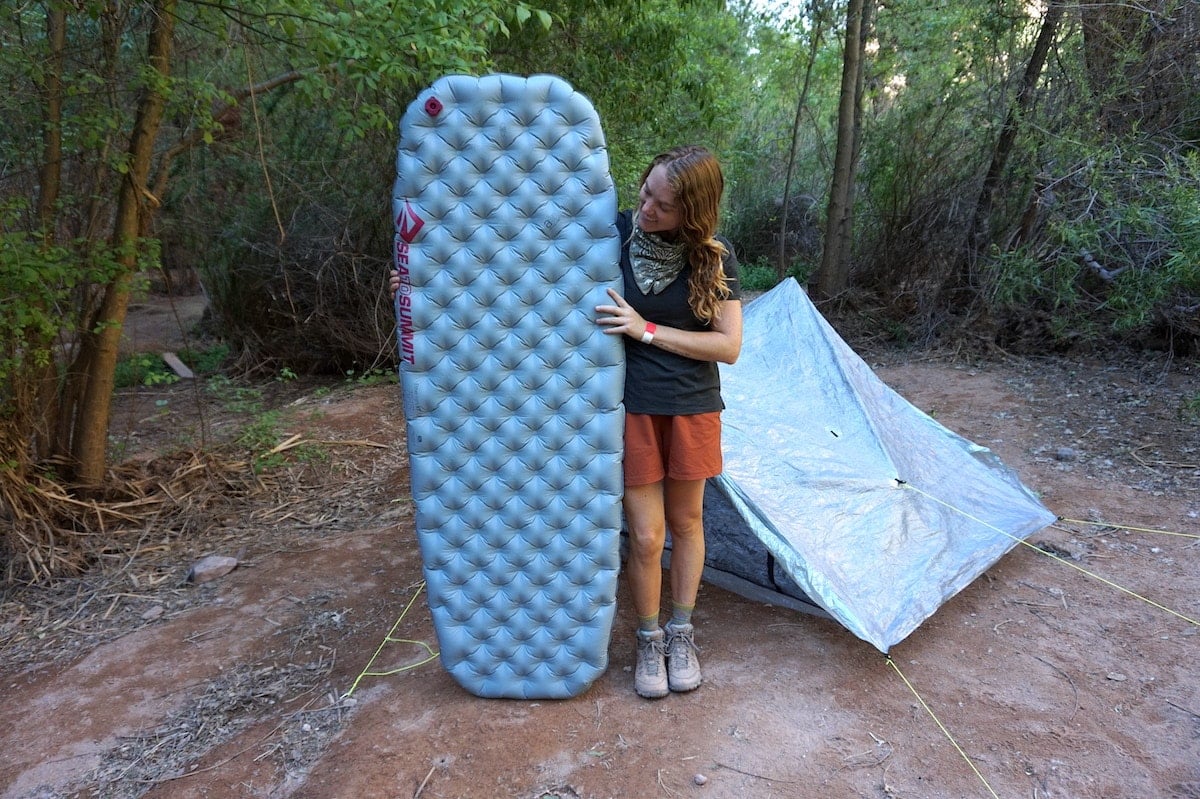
x,y
722,343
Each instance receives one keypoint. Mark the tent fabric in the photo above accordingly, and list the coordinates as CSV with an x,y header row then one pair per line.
x,y
860,503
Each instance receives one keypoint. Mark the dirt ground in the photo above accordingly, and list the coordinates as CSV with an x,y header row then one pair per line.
x,y
1076,677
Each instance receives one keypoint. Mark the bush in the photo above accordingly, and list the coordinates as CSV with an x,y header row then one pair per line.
x,y
1114,256
312,294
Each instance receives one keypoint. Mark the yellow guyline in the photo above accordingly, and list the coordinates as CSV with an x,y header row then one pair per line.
x,y
941,726
388,639
1076,567
929,710
1127,527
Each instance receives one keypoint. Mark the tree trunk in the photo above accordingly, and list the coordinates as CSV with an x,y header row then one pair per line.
x,y
833,277
90,437
847,247
50,174
88,226
979,235
42,410
818,17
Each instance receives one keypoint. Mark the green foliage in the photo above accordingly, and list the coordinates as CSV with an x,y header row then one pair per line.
x,y
937,97
377,376
757,276
234,397
260,434
42,284
792,62
149,369
296,244
143,369
205,361
659,73
1191,408
37,280
760,274
1118,256
231,68
260,437
780,59
1018,276
375,51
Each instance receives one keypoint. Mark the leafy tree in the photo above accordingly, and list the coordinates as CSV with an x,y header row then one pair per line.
x,y
659,72
1141,67
817,14
1021,106
117,93
779,160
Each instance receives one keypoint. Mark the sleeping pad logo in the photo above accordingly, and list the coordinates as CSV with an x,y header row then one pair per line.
x,y
408,225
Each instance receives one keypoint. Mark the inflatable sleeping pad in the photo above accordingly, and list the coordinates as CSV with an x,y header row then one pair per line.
x,y
505,243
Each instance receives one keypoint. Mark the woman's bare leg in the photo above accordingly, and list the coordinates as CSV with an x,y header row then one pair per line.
x,y
684,515
645,518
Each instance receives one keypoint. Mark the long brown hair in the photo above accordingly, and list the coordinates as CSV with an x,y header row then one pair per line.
x,y
695,176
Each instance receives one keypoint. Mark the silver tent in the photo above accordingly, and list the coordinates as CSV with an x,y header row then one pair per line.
x,y
841,497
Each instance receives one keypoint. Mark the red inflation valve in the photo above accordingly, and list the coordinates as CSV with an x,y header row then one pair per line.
x,y
433,106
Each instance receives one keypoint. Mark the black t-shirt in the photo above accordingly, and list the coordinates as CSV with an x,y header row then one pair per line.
x,y
658,382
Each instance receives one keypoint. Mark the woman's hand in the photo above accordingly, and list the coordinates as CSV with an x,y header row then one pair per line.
x,y
393,282
620,319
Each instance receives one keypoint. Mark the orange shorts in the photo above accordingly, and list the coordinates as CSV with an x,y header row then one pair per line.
x,y
679,447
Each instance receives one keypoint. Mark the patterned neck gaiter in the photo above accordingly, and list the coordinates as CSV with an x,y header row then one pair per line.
x,y
656,262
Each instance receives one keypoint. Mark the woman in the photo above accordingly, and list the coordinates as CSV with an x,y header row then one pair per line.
x,y
681,313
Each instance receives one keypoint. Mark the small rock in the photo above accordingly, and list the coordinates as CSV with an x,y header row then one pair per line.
x,y
699,779
1065,454
211,568
153,613
1116,676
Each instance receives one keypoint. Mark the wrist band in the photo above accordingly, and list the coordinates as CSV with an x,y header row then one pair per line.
x,y
648,336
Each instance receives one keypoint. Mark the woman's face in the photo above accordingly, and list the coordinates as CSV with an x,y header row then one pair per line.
x,y
658,211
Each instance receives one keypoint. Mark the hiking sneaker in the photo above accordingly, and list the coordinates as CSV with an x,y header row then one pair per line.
x,y
650,676
683,662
